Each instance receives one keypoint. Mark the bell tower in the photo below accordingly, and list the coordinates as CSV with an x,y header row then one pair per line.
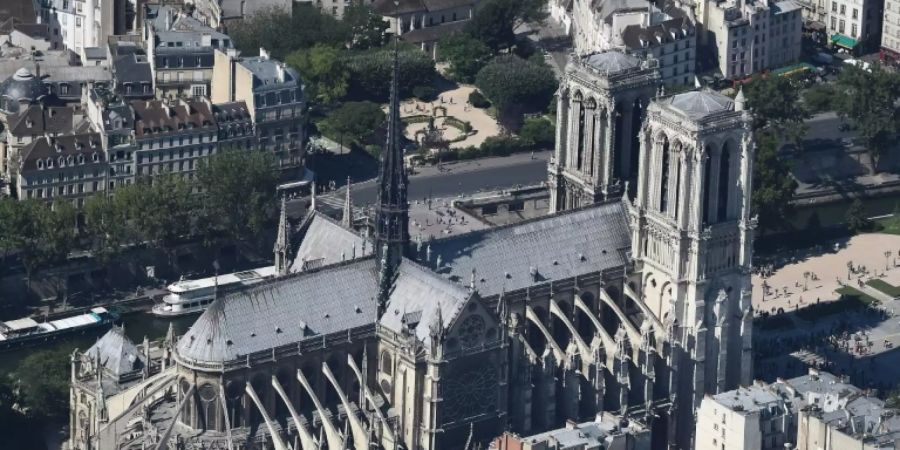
x,y
692,238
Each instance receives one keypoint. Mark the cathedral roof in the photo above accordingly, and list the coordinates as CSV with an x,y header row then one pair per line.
x,y
117,354
550,248
283,311
699,104
326,242
416,297
611,62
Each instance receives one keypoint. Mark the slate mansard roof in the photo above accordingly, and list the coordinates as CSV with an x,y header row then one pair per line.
x,y
283,311
562,246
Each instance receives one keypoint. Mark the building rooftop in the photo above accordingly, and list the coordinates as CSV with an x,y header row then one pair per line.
x,y
63,151
421,299
611,62
116,353
163,116
604,432
287,310
696,105
555,247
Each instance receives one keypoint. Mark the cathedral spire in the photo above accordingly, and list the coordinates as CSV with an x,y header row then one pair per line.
x,y
391,210
283,242
347,220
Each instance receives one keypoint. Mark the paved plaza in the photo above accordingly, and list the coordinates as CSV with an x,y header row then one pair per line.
x,y
861,343
812,275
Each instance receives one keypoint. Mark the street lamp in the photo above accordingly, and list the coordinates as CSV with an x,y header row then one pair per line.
x,y
887,259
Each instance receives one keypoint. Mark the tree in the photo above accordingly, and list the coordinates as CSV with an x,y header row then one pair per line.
x,y
465,54
495,21
44,382
353,121
857,220
47,233
538,132
819,98
516,86
109,221
368,28
773,185
865,98
238,191
776,104
165,210
371,72
323,70
281,32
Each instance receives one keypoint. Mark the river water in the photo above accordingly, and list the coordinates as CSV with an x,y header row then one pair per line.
x,y
137,325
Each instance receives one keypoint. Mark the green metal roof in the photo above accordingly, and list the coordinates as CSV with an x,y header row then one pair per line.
x,y
793,69
844,41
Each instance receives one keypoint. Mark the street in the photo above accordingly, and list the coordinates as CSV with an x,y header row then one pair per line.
x,y
459,177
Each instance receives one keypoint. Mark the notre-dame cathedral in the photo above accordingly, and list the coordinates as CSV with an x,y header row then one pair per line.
x,y
633,296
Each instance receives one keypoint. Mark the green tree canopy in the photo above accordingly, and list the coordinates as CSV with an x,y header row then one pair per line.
x,y
238,191
820,98
773,185
857,219
367,27
775,102
539,132
866,99
465,54
371,72
353,122
495,21
323,70
516,86
281,32
44,382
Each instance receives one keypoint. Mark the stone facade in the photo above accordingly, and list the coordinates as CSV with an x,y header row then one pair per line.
x,y
600,106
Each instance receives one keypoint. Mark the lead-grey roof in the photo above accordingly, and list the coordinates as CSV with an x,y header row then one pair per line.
x,y
551,248
266,71
325,242
611,62
117,354
699,104
418,294
283,311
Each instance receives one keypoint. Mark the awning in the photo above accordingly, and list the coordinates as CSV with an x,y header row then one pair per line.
x,y
843,41
793,69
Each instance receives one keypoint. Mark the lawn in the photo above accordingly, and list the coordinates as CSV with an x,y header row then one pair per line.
x,y
851,299
888,225
884,286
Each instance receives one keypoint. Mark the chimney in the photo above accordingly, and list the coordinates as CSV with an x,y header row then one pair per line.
x,y
570,424
206,40
263,54
169,18
280,68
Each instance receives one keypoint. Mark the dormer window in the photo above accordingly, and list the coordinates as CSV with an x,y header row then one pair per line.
x,y
49,163
80,159
62,162
95,157
40,164
70,160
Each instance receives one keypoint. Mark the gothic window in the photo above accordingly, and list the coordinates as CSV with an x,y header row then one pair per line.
x,y
471,331
581,139
724,184
469,391
207,394
664,177
707,171
678,170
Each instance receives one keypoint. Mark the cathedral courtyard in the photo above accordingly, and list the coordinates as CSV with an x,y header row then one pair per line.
x,y
858,342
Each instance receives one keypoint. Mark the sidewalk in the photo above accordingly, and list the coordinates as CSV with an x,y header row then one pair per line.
x,y
474,165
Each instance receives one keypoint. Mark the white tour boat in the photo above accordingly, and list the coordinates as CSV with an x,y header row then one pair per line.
x,y
192,296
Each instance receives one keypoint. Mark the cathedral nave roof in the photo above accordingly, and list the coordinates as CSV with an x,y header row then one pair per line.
x,y
283,311
556,247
